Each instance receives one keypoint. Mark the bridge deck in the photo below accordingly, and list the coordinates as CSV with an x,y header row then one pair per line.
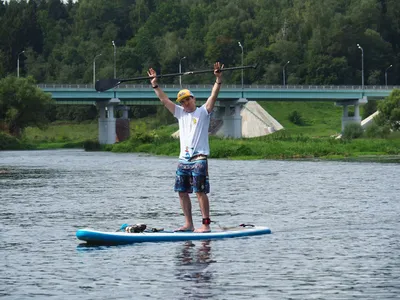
x,y
143,94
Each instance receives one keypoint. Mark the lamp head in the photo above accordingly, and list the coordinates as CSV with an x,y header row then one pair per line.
x,y
113,43
240,45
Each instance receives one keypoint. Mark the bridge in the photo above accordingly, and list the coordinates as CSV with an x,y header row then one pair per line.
x,y
229,96
143,94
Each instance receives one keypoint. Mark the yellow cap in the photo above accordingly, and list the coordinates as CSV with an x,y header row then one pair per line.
x,y
184,94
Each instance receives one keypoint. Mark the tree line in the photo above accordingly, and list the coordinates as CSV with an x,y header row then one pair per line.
x,y
58,42
314,41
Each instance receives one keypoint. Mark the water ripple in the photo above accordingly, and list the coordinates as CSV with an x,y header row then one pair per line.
x,y
336,231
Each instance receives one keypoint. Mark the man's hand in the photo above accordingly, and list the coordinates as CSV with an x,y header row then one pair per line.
x,y
217,69
152,74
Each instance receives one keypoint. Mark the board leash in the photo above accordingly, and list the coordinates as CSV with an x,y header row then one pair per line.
x,y
223,228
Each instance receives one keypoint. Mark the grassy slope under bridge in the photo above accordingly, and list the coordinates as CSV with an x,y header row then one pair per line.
x,y
322,119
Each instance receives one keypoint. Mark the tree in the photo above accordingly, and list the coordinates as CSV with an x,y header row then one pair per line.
x,y
2,67
389,111
22,104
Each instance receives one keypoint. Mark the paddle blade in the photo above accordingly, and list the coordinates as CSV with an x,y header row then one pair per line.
x,y
106,84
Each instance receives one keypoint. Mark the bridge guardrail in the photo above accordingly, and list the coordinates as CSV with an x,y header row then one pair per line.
x,y
229,86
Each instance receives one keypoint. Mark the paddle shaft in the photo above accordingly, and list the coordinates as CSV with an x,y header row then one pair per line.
x,y
106,84
188,73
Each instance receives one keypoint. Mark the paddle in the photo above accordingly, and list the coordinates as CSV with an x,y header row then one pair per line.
x,y
106,84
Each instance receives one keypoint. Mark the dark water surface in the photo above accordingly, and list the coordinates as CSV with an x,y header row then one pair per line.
x,y
336,229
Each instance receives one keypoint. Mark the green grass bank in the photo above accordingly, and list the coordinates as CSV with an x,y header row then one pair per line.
x,y
310,140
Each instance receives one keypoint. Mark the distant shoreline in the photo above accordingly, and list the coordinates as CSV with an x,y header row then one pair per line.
x,y
234,154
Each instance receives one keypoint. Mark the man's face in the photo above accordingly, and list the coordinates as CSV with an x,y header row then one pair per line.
x,y
188,104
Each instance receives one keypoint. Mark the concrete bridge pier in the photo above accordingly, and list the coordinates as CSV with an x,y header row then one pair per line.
x,y
232,126
107,121
122,125
346,119
125,111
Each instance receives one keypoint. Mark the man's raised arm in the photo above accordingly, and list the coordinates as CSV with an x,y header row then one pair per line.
x,y
159,92
217,85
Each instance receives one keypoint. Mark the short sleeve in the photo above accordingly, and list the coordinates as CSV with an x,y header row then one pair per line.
x,y
178,111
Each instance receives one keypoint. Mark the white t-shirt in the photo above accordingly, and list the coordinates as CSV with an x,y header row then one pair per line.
x,y
193,131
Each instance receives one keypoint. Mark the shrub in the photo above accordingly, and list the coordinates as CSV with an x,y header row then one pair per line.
x,y
352,131
8,142
89,145
144,137
296,118
389,111
376,131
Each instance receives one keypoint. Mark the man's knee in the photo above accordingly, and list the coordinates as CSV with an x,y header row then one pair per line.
x,y
183,195
201,195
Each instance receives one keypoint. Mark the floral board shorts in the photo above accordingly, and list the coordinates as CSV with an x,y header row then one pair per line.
x,y
192,176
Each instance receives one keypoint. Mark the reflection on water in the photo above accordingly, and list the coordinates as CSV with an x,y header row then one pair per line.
x,y
85,247
22,173
193,264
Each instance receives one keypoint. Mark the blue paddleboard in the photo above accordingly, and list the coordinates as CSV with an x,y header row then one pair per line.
x,y
121,238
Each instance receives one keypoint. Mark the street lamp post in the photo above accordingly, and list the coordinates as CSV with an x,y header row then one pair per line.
x,y
240,45
284,73
94,68
180,70
18,63
386,74
115,54
362,65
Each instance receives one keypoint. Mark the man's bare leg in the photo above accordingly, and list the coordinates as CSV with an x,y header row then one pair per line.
x,y
186,206
205,211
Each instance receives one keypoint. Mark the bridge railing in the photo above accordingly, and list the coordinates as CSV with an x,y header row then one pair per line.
x,y
228,86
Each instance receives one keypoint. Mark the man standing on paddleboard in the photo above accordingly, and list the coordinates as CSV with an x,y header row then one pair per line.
x,y
192,170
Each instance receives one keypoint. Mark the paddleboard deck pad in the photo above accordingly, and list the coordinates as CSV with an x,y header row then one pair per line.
x,y
95,237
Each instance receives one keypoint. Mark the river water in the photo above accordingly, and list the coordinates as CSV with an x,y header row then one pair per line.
x,y
335,229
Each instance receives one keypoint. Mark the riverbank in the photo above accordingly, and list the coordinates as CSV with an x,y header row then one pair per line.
x,y
280,146
306,142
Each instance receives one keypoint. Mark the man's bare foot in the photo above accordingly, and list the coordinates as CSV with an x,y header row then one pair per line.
x,y
203,229
184,229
